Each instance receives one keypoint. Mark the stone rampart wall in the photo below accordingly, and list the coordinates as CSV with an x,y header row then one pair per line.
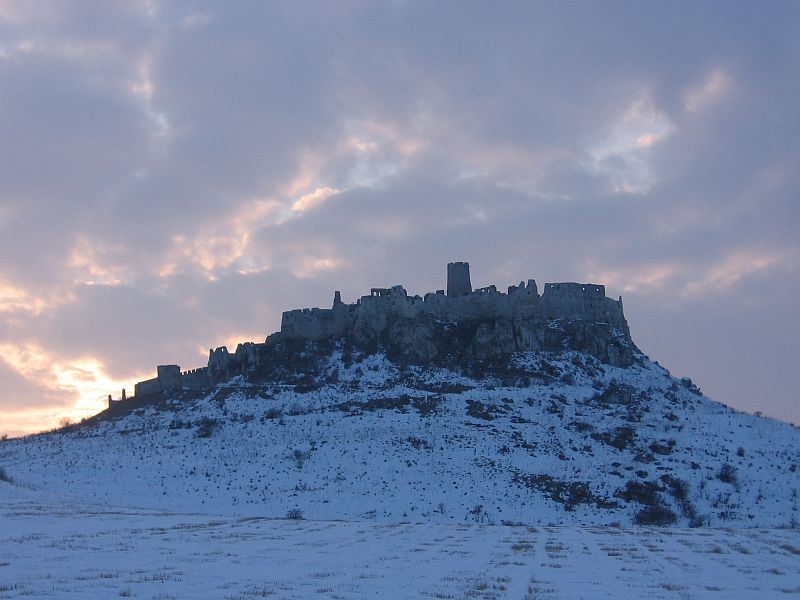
x,y
195,379
150,386
169,378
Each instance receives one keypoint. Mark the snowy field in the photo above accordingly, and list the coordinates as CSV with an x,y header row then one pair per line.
x,y
59,550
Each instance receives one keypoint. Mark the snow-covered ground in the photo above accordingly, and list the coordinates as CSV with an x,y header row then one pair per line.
x,y
409,483
556,440
83,551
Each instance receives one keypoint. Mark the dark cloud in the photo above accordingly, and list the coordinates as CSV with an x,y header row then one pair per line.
x,y
156,155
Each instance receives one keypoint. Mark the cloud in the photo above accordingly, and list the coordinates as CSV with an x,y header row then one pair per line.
x,y
716,85
177,174
35,384
622,155
734,267
315,198
23,390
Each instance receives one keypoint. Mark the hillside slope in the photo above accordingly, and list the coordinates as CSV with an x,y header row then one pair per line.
x,y
539,438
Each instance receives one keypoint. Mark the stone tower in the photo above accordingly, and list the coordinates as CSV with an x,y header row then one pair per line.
x,y
458,283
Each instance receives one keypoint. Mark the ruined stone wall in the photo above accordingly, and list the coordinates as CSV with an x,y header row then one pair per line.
x,y
582,301
312,323
219,363
247,356
318,323
369,316
150,386
223,365
169,378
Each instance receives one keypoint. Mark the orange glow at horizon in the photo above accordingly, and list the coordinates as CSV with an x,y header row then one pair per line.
x,y
83,380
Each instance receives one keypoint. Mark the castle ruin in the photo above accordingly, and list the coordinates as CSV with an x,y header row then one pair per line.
x,y
573,301
517,320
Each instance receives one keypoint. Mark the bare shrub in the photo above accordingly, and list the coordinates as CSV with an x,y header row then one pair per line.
x,y
205,427
273,413
295,410
727,473
656,514
300,457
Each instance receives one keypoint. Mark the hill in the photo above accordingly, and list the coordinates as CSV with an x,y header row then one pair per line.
x,y
470,405
535,438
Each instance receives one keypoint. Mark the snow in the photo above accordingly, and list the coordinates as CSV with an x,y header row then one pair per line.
x,y
433,445
65,550
521,483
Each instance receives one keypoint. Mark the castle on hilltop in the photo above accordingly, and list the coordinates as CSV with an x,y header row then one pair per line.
x,y
574,301
519,319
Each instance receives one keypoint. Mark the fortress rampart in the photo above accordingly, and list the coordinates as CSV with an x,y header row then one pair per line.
x,y
168,379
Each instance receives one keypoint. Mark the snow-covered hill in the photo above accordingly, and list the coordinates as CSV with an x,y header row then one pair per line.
x,y
541,438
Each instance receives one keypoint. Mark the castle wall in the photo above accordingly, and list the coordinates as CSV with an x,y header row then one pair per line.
x,y
219,362
196,379
169,378
314,323
524,291
150,386
397,304
318,323
582,301
246,356
247,353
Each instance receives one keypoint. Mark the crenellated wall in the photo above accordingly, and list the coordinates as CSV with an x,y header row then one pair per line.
x,y
195,379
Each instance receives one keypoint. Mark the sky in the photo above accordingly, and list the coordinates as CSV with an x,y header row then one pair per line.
x,y
174,175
